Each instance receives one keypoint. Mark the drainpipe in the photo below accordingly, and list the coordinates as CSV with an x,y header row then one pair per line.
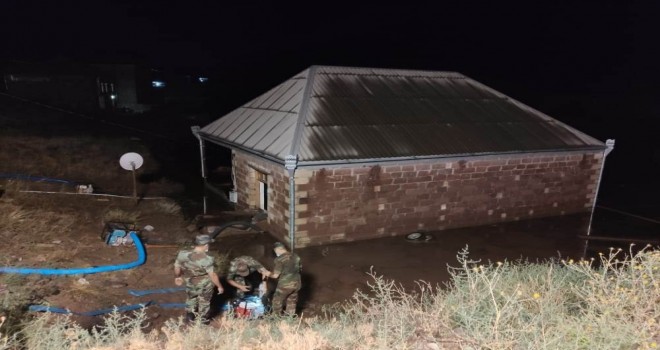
x,y
291,163
610,147
202,155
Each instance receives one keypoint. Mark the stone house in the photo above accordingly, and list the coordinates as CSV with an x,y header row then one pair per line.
x,y
358,153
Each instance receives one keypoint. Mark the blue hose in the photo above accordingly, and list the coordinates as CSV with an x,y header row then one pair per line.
x,y
59,310
35,178
142,257
139,293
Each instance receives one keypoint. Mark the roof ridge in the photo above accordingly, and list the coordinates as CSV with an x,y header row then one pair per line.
x,y
303,111
374,70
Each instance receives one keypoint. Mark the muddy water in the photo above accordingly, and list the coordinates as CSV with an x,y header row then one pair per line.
x,y
333,272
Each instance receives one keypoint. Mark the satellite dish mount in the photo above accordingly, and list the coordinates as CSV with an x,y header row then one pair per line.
x,y
132,161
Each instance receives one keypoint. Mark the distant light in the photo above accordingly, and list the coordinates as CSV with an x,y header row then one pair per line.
x,y
158,84
203,79
112,97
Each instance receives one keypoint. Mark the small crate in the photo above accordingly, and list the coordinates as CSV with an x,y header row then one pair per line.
x,y
118,233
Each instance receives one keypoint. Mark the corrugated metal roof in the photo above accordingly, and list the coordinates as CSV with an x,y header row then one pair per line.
x,y
341,114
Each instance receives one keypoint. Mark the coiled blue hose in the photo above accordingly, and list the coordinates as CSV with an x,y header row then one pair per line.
x,y
142,257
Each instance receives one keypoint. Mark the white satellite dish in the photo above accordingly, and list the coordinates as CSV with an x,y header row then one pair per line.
x,y
131,161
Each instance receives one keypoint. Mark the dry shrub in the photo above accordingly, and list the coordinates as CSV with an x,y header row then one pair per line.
x,y
13,294
557,304
120,215
12,219
5,339
552,305
13,297
168,206
60,332
84,293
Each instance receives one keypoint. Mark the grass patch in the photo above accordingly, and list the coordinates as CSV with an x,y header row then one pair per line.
x,y
30,225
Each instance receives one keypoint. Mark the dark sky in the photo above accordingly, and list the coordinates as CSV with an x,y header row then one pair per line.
x,y
558,45
583,61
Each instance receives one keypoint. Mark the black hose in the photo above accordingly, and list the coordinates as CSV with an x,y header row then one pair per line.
x,y
243,225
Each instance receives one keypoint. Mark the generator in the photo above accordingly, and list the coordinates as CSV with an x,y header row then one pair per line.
x,y
118,233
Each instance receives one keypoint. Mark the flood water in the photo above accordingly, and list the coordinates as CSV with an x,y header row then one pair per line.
x,y
333,272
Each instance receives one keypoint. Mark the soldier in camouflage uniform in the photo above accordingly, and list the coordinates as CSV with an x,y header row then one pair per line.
x,y
196,268
287,272
240,271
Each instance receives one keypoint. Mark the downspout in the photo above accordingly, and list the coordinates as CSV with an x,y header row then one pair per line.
x,y
610,147
291,163
202,156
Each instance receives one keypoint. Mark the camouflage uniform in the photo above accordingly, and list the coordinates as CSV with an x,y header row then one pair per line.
x,y
196,267
232,274
288,267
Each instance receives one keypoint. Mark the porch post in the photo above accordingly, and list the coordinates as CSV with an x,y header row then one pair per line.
x,y
202,155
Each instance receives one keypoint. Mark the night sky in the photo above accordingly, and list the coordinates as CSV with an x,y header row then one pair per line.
x,y
591,64
562,47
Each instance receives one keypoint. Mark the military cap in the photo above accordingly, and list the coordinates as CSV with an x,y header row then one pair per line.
x,y
242,269
203,239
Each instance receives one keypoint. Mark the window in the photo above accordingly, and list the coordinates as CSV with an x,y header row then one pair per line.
x,y
262,182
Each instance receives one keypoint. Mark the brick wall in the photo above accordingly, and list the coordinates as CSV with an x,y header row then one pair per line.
x,y
345,204
246,167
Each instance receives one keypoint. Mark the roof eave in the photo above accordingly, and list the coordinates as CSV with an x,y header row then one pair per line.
x,y
303,164
232,145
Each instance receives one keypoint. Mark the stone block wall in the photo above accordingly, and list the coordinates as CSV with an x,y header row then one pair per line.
x,y
246,167
388,199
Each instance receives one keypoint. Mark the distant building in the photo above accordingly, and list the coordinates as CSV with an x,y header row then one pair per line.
x,y
384,152
129,88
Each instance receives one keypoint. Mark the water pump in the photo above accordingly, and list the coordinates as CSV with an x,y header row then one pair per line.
x,y
118,233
